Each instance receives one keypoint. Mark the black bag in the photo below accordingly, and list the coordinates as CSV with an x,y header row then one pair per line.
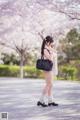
x,y
44,64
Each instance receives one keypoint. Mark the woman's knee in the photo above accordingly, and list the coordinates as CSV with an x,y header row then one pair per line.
x,y
50,85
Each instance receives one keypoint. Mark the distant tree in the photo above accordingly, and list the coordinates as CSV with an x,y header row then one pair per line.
x,y
73,37
71,45
9,59
22,52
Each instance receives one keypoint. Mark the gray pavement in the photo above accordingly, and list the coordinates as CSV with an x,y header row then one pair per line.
x,y
19,97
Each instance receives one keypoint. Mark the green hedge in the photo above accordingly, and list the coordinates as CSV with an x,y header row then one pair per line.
x,y
68,72
32,72
14,71
9,71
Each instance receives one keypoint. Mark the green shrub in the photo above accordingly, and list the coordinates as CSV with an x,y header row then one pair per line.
x,y
14,71
68,72
9,71
31,71
77,65
4,70
71,72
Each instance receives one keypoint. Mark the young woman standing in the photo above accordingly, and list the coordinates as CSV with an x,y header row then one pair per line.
x,y
48,52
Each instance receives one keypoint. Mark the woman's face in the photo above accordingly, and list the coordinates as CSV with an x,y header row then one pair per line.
x,y
51,45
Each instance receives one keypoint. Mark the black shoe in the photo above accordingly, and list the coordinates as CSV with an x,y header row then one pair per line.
x,y
52,104
42,104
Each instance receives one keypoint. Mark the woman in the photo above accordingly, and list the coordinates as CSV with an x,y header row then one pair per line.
x,y
48,52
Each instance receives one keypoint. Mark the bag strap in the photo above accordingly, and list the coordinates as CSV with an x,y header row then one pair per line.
x,y
42,56
47,50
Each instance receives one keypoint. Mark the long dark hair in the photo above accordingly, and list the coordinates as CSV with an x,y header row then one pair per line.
x,y
49,40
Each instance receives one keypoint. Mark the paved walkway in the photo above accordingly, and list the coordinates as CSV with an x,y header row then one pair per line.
x,y
19,97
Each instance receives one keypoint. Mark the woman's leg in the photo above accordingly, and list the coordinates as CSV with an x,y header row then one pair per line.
x,y
50,96
45,89
48,87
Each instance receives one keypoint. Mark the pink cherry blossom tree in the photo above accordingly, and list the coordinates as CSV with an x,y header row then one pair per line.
x,y
24,23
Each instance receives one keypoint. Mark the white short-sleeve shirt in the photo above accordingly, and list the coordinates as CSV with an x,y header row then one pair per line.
x,y
55,63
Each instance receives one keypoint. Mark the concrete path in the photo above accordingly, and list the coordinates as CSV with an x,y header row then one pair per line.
x,y
19,98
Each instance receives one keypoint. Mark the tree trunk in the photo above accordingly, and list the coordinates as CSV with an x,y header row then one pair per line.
x,y
21,68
